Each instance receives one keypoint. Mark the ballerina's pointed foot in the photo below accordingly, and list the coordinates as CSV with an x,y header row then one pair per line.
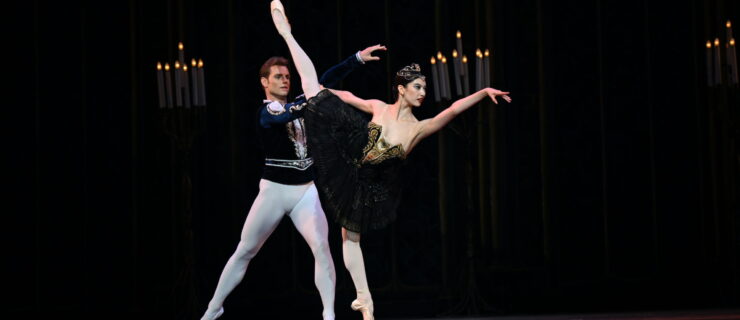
x,y
365,307
278,17
213,315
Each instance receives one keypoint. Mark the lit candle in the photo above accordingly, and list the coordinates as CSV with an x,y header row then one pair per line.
x,y
178,85
729,30
201,83
160,85
487,70
194,78
179,72
181,52
458,37
466,80
185,86
733,59
717,63
710,74
168,82
442,89
456,74
446,78
478,70
435,81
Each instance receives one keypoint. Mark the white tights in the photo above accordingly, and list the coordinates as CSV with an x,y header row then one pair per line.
x,y
353,261
301,203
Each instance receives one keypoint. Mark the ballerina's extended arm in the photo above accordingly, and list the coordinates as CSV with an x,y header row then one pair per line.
x,y
363,105
432,125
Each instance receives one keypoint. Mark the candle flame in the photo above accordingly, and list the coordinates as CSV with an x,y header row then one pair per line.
x,y
433,61
478,53
732,42
716,42
729,24
709,44
454,53
194,63
180,46
200,63
185,67
159,65
177,64
444,59
166,67
486,53
439,55
458,35
465,59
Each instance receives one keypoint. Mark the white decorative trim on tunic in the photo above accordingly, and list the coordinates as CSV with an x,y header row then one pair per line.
x,y
301,164
298,136
275,108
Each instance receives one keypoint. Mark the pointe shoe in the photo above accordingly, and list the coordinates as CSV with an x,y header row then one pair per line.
x,y
278,17
365,307
213,316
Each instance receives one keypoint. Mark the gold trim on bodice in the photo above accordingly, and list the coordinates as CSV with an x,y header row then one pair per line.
x,y
377,149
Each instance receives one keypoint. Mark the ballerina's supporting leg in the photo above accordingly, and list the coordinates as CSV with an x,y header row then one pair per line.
x,y
353,261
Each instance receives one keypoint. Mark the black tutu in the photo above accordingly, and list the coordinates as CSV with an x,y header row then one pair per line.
x,y
360,196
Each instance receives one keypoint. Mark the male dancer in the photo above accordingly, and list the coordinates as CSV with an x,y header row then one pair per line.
x,y
287,184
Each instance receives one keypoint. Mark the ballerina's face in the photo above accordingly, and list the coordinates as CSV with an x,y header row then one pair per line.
x,y
413,92
278,83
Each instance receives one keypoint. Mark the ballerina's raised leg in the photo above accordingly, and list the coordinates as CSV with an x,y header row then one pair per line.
x,y
303,64
352,253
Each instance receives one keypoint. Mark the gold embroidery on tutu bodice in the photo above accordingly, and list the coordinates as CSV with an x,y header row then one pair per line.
x,y
377,149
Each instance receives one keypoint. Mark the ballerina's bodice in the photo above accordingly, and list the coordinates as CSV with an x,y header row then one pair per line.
x,y
377,149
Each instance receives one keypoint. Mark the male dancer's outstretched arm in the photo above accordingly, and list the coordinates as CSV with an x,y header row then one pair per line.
x,y
275,113
331,77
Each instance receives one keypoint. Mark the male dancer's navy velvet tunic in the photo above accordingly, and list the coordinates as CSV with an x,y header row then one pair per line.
x,y
282,132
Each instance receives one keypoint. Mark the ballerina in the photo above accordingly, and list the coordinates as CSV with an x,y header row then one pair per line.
x,y
358,161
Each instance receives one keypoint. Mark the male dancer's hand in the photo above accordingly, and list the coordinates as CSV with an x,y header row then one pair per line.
x,y
367,54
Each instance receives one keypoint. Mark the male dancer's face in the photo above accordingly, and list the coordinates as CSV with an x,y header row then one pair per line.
x,y
277,85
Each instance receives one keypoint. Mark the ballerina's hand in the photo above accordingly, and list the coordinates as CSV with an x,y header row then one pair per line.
x,y
495,92
367,54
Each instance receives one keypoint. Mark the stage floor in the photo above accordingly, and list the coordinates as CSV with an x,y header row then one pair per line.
x,y
653,315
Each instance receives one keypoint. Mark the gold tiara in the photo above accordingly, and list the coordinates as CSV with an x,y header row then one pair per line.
x,y
410,72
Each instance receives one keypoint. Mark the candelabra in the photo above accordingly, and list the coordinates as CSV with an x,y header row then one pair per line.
x,y
183,113
441,74
720,117
722,70
473,131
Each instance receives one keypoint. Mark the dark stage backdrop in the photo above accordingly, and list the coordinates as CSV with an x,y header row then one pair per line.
x,y
609,184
